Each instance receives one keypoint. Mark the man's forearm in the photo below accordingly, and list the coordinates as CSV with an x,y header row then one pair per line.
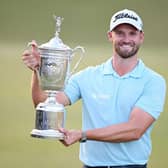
x,y
38,95
116,133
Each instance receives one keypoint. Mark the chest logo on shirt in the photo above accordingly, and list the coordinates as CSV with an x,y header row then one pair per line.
x,y
101,96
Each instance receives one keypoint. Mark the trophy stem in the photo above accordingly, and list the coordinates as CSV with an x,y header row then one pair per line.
x,y
51,97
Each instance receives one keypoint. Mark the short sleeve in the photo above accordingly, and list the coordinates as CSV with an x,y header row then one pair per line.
x,y
72,89
153,97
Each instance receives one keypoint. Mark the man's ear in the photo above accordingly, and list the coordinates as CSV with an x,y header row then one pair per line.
x,y
142,37
109,35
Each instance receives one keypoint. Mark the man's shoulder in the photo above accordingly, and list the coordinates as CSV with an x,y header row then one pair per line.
x,y
91,70
153,73
154,76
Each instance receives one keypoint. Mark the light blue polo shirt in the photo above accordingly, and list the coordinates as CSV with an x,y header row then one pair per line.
x,y
107,99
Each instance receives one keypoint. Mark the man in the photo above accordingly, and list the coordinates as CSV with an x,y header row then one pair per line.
x,y
122,98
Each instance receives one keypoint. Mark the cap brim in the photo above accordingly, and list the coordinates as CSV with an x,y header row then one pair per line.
x,y
125,21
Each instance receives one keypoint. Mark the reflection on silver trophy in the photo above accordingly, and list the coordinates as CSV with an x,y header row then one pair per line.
x,y
53,74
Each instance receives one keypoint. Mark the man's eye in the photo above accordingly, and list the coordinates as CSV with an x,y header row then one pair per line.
x,y
119,33
132,33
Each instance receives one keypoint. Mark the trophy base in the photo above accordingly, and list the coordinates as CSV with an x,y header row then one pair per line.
x,y
47,134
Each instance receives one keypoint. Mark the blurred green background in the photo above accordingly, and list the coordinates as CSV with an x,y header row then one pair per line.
x,y
85,23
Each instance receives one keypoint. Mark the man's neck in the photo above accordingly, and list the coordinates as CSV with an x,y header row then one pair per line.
x,y
124,65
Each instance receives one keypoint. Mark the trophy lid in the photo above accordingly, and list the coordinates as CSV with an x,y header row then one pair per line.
x,y
56,43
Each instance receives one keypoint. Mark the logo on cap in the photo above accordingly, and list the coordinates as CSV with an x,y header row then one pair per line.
x,y
125,15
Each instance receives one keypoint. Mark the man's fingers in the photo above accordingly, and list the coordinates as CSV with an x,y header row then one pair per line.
x,y
31,56
63,130
33,44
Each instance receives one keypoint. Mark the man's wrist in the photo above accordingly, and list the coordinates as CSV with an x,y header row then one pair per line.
x,y
83,137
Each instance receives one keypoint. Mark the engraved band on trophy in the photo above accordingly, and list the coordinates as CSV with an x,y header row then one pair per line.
x,y
53,75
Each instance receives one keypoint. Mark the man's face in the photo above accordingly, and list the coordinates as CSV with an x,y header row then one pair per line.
x,y
126,40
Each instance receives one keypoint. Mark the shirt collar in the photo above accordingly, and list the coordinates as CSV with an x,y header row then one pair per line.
x,y
135,73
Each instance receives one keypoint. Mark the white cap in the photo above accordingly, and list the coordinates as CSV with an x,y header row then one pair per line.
x,y
126,16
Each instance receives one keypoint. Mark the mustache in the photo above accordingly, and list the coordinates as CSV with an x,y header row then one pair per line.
x,y
127,43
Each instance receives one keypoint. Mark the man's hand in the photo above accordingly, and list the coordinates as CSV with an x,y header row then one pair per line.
x,y
71,136
31,58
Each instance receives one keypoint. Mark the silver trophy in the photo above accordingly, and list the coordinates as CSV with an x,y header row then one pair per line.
x,y
53,74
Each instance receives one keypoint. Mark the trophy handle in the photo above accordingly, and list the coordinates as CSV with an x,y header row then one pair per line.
x,y
80,59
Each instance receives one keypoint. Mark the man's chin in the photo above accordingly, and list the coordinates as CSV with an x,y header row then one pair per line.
x,y
126,55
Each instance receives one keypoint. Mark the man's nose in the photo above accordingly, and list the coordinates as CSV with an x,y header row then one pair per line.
x,y
126,38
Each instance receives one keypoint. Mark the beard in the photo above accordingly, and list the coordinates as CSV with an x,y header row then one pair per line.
x,y
126,50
